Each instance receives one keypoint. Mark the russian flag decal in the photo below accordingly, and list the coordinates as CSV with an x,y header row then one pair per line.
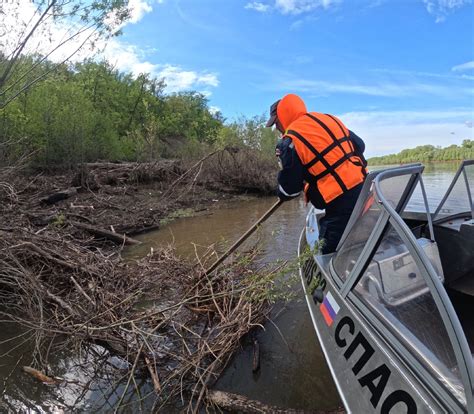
x,y
329,308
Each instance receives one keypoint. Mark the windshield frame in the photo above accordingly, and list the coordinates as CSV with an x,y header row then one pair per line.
x,y
460,170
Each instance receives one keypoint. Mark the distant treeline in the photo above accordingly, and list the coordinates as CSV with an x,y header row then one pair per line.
x,y
91,111
427,153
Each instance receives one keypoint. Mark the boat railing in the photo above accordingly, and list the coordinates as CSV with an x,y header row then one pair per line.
x,y
468,182
366,188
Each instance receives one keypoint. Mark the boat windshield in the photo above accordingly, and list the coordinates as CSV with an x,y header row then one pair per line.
x,y
390,274
458,198
394,289
368,215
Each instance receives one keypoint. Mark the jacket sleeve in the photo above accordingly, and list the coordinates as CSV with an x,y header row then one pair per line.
x,y
290,177
359,147
359,144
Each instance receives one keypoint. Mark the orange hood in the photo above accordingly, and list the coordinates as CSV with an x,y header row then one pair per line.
x,y
289,109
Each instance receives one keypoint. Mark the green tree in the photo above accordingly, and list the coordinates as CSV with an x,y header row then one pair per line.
x,y
427,153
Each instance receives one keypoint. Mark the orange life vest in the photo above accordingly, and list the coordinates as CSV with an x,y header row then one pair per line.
x,y
325,150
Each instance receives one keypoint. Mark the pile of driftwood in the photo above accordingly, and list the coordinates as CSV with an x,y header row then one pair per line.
x,y
164,318
158,320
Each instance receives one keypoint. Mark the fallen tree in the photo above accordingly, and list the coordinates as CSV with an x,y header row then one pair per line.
x,y
241,404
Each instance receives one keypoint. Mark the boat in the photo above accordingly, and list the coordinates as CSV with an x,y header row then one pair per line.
x,y
393,306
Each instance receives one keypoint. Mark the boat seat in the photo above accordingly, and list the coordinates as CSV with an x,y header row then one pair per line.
x,y
464,285
455,237
398,276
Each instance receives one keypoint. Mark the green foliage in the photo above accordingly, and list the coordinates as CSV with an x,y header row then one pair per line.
x,y
92,112
59,220
428,153
186,116
250,133
278,281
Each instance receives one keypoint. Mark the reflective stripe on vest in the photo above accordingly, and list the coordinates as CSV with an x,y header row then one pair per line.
x,y
329,157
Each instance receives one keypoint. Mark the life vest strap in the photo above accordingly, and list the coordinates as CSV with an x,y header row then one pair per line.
x,y
363,162
329,132
338,142
326,151
338,124
330,169
339,162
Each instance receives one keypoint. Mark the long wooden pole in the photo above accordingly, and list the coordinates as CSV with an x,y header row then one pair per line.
x,y
244,236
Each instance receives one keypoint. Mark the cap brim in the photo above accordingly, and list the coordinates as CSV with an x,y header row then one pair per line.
x,y
271,121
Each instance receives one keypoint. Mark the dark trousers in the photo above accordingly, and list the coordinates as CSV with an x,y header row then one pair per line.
x,y
333,224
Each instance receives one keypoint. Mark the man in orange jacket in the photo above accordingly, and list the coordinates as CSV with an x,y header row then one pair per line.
x,y
321,156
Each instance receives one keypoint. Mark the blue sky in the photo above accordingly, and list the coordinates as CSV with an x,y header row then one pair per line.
x,y
399,73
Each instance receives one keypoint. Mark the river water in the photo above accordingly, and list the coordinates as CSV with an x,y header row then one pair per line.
x,y
293,371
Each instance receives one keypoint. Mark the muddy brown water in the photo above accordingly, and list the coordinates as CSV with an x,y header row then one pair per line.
x,y
293,372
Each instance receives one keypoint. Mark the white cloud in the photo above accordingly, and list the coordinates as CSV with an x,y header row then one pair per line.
x,y
302,6
382,88
20,16
138,8
293,7
129,58
390,132
441,8
214,109
260,7
177,79
464,66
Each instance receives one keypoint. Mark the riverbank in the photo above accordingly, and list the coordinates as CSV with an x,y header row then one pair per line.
x,y
126,198
63,277
428,154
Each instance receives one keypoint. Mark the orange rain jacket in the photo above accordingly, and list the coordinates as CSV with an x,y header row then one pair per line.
x,y
323,146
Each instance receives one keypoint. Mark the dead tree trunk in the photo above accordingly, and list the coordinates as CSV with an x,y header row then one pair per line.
x,y
241,404
115,237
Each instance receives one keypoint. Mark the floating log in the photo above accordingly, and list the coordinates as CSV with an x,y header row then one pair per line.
x,y
58,196
241,404
115,237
